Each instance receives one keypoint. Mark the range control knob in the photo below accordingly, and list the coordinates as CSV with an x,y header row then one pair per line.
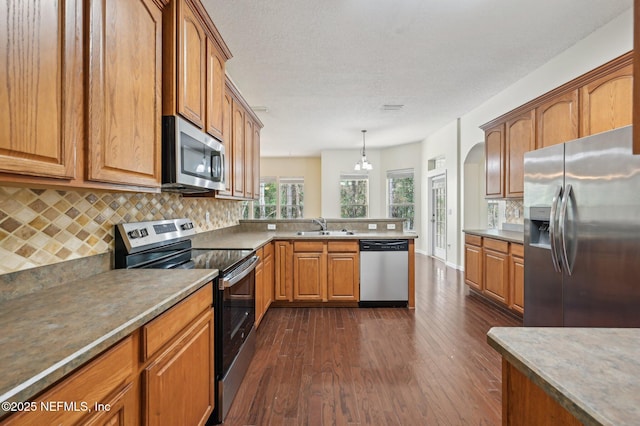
x,y
138,233
186,226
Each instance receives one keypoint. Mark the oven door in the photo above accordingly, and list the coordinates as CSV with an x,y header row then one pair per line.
x,y
235,336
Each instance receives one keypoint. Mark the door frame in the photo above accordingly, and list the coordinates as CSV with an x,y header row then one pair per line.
x,y
431,177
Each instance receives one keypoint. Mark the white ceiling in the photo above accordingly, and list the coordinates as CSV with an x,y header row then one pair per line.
x,y
325,68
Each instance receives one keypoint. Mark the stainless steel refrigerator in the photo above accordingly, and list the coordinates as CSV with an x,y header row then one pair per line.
x,y
582,233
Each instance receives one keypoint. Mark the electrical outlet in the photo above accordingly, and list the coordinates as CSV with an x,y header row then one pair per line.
x,y
271,227
391,226
373,226
207,217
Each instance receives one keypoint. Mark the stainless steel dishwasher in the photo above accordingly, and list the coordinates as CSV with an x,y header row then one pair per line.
x,y
384,273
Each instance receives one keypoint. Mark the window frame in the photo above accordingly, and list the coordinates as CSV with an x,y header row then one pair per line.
x,y
356,177
401,174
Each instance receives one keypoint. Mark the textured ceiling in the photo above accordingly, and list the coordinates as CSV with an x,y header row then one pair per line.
x,y
325,68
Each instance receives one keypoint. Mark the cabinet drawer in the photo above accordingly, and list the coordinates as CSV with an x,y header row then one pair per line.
x,y
161,330
90,385
517,250
308,246
496,245
474,240
342,246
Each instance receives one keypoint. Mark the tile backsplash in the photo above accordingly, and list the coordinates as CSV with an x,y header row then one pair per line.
x,y
42,227
514,211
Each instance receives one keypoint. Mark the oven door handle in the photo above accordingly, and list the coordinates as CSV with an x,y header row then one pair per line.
x,y
224,283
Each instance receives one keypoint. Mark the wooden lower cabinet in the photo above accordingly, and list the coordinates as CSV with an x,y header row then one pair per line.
x,y
495,269
269,276
161,374
309,276
473,262
525,404
259,283
496,274
516,278
178,384
108,379
283,273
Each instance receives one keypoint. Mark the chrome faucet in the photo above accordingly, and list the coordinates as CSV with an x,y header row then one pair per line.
x,y
322,222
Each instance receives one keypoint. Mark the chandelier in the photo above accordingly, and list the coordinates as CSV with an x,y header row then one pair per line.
x,y
363,164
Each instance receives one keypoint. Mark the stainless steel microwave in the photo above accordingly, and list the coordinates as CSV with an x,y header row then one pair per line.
x,y
192,161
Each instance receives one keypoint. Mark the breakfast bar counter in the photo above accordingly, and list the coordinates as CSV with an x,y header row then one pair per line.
x,y
593,374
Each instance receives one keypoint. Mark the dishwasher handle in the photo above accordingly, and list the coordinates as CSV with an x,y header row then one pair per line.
x,y
384,245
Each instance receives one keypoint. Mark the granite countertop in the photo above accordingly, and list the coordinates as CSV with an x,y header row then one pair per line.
x,y
592,372
254,240
498,234
47,334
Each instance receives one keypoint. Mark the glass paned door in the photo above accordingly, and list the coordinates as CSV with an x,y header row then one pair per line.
x,y
439,216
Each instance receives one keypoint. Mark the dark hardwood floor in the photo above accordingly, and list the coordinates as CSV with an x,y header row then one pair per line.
x,y
380,366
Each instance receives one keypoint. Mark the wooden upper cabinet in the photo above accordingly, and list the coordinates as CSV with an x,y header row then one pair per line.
x,y
227,132
124,93
557,120
248,156
607,102
238,149
636,74
192,45
494,161
256,160
215,91
520,138
41,87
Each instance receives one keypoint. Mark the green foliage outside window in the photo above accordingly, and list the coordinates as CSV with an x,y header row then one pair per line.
x,y
401,196
354,196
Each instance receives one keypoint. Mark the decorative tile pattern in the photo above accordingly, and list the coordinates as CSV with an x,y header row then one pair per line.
x,y
42,227
514,211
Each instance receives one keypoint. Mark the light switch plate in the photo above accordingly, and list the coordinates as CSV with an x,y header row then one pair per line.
x,y
271,226
373,226
391,226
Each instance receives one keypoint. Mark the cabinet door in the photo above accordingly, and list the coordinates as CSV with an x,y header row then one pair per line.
x,y
557,120
248,156
283,286
473,267
494,162
309,276
517,284
343,276
238,150
215,91
259,279
256,160
192,42
41,87
496,275
121,410
269,280
178,384
519,139
125,84
227,133
607,103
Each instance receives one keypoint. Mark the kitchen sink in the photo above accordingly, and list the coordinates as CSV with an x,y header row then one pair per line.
x,y
323,233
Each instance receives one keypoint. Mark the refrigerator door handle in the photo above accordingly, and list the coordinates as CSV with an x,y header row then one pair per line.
x,y
552,229
563,227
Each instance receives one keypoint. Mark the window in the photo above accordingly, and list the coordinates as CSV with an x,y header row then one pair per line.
x,y
278,198
291,198
354,195
400,195
267,204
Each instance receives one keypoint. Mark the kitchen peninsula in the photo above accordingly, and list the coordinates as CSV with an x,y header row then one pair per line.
x,y
569,375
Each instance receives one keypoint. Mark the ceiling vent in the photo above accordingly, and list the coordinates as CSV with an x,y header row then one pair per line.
x,y
392,107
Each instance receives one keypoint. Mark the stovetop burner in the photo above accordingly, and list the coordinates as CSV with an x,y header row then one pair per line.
x,y
221,259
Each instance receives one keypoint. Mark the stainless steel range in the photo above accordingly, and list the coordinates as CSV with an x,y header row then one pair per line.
x,y
166,244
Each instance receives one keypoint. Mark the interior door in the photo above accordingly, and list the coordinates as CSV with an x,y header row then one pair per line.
x,y
439,216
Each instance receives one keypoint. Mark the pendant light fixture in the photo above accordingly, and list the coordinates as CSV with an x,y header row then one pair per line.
x,y
363,164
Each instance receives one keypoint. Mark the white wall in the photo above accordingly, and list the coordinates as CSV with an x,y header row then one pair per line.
x,y
608,42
